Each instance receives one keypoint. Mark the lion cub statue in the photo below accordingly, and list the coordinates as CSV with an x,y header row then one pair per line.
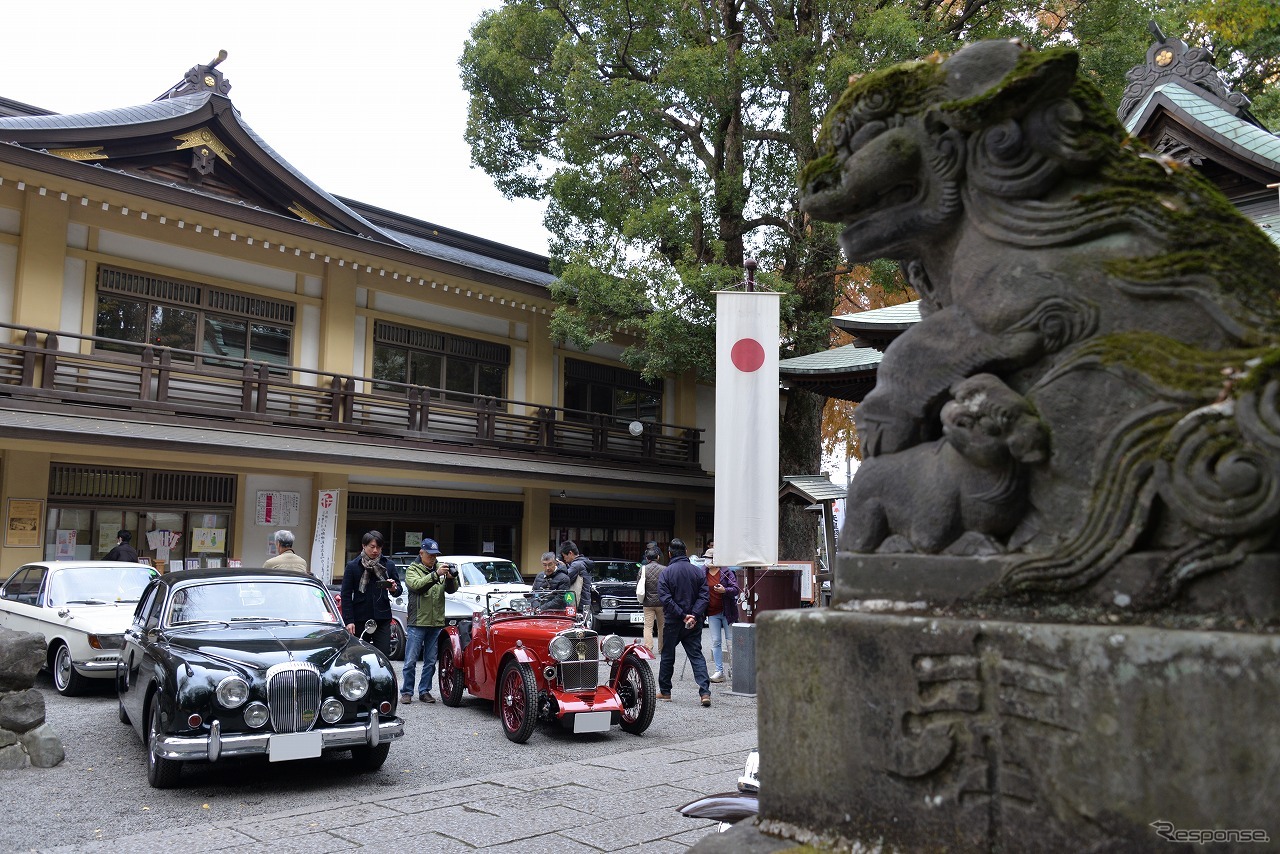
x,y
1113,292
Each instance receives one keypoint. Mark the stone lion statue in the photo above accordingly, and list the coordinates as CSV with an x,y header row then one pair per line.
x,y
1116,292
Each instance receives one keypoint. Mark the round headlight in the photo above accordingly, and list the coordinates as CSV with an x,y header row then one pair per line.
x,y
353,685
609,602
232,692
612,646
560,648
331,710
255,715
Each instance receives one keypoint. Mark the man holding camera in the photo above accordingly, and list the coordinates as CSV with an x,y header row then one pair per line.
x,y
428,581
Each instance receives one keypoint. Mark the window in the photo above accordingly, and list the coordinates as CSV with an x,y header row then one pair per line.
x,y
460,367
24,585
135,309
606,390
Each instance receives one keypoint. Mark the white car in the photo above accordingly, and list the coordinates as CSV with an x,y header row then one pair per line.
x,y
81,607
481,574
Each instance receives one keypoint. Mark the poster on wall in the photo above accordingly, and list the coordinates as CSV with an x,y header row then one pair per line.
x,y
107,536
65,544
413,540
279,508
210,540
22,522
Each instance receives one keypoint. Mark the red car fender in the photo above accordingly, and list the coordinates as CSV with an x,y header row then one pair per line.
x,y
639,650
520,654
455,643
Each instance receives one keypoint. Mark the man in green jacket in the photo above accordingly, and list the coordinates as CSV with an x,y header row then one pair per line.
x,y
428,581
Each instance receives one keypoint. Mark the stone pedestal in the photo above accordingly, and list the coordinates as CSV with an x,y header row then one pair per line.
x,y
946,734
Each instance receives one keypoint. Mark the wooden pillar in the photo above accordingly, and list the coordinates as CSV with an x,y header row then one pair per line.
x,y
42,255
338,320
24,474
534,527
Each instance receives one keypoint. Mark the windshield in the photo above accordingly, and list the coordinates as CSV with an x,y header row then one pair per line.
x,y
617,570
490,572
229,601
94,585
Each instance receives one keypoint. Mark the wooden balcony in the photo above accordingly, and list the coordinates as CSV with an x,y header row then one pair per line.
x,y
161,382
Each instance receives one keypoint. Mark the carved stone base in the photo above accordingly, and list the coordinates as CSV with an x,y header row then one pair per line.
x,y
1250,590
946,734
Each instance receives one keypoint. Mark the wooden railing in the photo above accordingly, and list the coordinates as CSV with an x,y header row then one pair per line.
x,y
86,370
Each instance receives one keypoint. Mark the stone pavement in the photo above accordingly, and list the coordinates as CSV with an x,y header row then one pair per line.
x,y
619,802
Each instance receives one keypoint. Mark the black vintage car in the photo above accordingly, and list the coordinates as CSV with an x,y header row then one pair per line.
x,y
240,662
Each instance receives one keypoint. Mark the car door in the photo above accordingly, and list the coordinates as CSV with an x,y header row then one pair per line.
x,y
21,603
146,618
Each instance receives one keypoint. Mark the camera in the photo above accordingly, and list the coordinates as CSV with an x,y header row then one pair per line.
x,y
451,569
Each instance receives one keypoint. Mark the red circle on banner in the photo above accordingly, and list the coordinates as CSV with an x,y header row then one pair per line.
x,y
747,355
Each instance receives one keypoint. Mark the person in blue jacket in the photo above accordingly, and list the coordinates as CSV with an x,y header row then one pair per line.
x,y
682,588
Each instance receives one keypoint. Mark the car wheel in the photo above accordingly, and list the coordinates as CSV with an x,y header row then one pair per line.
x,y
121,713
367,759
638,693
397,641
65,679
161,773
518,701
449,675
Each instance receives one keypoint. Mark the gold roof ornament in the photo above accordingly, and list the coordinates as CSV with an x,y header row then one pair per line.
x,y
204,137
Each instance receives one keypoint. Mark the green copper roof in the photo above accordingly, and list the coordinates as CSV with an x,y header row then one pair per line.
x,y
1237,134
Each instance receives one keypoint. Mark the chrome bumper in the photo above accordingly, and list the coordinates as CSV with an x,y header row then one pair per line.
x,y
98,668
215,744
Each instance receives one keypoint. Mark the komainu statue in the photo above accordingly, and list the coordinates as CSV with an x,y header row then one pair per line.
x,y
1108,294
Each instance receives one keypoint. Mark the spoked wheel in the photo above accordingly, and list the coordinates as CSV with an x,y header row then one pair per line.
x,y
397,643
449,675
518,701
638,692
161,773
367,759
65,679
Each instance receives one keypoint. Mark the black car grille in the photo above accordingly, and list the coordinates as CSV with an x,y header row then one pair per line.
x,y
293,696
582,671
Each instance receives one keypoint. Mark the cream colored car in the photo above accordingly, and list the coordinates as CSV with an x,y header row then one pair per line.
x,y
81,608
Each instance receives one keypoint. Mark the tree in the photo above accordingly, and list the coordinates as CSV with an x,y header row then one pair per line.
x,y
667,136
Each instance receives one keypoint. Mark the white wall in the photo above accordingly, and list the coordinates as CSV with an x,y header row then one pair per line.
x,y
256,539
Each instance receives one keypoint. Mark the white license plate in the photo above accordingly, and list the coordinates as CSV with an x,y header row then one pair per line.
x,y
295,745
591,722
637,618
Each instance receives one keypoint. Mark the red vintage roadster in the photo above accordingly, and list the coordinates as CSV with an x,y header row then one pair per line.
x,y
536,661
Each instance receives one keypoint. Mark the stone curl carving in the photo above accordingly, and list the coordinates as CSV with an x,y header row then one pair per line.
x,y
1112,290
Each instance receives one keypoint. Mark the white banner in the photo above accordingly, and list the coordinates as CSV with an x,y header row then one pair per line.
x,y
747,481
325,541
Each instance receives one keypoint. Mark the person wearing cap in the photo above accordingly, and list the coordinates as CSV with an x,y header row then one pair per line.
x,y
369,582
286,557
722,607
123,550
428,581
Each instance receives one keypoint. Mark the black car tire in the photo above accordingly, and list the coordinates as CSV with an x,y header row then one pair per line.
x,y
161,773
121,713
65,678
449,675
636,683
367,759
397,643
518,701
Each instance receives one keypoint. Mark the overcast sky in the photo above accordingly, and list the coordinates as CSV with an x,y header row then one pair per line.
x,y
363,98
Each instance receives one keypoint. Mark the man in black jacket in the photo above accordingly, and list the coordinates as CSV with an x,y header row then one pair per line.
x,y
580,569
368,584
682,587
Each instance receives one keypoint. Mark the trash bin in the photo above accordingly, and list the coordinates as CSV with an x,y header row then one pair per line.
x,y
771,589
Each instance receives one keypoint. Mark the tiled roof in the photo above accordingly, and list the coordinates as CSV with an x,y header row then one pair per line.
x,y
849,358
153,111
889,317
1234,133
814,487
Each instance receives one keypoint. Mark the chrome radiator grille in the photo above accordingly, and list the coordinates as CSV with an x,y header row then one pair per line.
x,y
582,671
293,696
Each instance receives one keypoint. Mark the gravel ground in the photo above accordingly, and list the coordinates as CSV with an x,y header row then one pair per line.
x,y
100,791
